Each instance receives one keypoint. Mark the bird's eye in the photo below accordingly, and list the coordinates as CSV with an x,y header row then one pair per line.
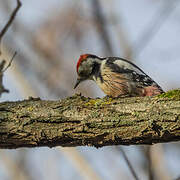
x,y
82,73
85,69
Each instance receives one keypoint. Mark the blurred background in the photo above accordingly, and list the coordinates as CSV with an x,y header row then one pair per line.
x,y
49,37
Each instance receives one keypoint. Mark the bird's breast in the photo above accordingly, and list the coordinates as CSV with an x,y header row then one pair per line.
x,y
112,84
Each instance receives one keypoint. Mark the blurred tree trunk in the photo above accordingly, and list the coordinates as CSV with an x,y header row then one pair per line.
x,y
80,121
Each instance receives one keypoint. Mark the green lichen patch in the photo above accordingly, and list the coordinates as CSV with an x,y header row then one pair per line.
x,y
98,102
173,94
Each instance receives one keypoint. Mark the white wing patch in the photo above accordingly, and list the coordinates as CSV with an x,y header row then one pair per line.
x,y
126,65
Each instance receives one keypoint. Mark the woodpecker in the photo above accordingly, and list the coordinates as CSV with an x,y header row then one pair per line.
x,y
116,76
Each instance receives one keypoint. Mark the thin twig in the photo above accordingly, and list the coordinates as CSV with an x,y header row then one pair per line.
x,y
10,62
6,27
128,163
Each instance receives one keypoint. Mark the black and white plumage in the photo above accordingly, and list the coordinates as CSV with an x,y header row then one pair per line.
x,y
116,76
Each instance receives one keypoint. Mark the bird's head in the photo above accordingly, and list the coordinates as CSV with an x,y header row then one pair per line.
x,y
86,67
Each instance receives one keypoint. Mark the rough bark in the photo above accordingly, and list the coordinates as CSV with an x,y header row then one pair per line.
x,y
80,121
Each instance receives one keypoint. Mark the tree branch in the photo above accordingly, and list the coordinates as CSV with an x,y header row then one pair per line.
x,y
133,172
3,62
80,121
8,24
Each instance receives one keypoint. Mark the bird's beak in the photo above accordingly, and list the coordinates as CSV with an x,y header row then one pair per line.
x,y
79,80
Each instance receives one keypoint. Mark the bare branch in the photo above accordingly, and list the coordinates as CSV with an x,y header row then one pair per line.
x,y
4,30
10,62
128,163
8,24
80,121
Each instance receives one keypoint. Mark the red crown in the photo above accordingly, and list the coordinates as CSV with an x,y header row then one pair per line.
x,y
82,57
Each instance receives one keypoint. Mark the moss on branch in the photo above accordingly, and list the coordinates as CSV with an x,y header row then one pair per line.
x,y
80,121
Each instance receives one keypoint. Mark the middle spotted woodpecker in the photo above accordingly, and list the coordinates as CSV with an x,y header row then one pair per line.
x,y
116,76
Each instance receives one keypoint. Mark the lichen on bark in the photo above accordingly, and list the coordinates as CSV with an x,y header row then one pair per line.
x,y
80,121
